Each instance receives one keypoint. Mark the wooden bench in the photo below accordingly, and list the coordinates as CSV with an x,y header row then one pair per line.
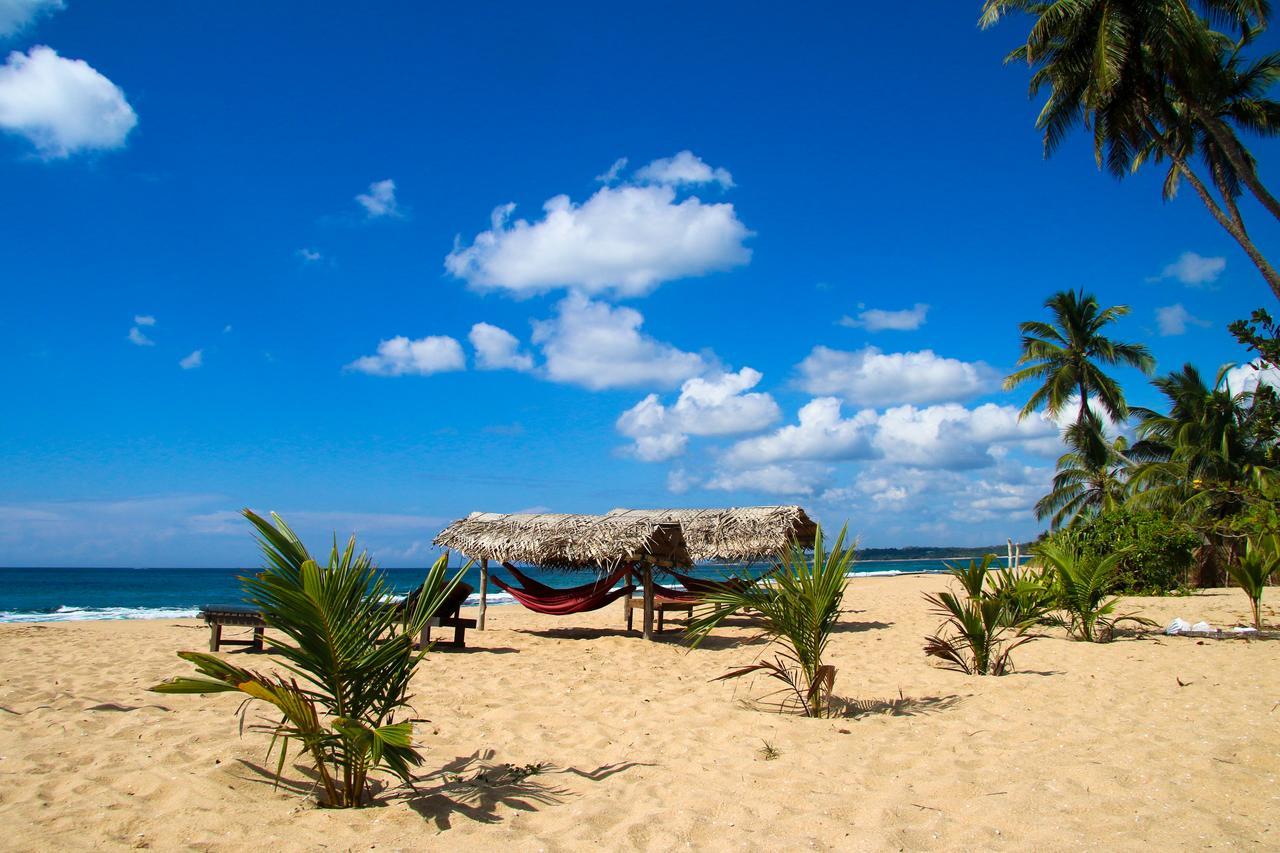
x,y
456,622
218,615
660,606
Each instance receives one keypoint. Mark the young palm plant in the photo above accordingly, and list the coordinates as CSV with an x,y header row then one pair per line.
x,y
1261,559
799,604
350,659
985,624
1083,584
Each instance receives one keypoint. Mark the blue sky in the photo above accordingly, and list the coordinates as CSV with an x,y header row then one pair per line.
x,y
374,271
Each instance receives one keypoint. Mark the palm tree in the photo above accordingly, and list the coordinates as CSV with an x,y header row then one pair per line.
x,y
1065,356
1110,65
1205,460
1091,474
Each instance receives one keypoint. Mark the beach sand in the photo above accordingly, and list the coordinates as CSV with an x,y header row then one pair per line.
x,y
1151,742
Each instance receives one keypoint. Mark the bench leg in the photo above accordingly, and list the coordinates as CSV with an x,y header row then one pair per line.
x,y
661,612
630,616
257,639
215,637
460,636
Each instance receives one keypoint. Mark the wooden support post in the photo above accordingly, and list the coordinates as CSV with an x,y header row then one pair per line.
x,y
648,601
484,592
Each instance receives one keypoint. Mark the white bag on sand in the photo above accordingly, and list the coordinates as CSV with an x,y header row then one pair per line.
x,y
1177,626
1239,630
1202,626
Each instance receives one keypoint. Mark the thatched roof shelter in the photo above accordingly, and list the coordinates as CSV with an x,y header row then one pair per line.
x,y
736,534
557,540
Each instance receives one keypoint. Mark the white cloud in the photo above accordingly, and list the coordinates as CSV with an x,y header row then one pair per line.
x,y
310,256
625,239
797,479
597,346
953,437
706,406
614,172
497,349
17,14
820,434
400,356
380,200
680,481
61,105
192,361
684,168
144,320
1247,377
1173,319
878,320
870,377
1194,270
137,337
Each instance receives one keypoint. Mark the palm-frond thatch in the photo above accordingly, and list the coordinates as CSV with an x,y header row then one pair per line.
x,y
557,540
736,534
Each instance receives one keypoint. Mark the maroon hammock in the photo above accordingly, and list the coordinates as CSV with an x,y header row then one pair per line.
x,y
561,602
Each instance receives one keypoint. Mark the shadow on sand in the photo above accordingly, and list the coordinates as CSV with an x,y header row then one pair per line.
x,y
472,786
475,788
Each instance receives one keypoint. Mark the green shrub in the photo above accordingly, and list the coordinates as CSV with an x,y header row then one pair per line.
x,y
1155,551
345,700
983,626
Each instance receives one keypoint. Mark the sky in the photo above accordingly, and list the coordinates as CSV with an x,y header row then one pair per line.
x,y
374,270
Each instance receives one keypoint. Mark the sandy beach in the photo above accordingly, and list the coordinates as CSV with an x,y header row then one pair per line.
x,y
1147,742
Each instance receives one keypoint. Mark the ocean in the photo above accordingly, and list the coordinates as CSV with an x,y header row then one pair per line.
x,y
67,594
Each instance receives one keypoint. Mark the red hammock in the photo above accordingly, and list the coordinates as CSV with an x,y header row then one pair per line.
x,y
561,602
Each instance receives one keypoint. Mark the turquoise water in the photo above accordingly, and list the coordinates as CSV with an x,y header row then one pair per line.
x,y
43,594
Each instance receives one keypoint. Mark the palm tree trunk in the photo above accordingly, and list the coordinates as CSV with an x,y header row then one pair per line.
x,y
1234,150
1084,403
1268,272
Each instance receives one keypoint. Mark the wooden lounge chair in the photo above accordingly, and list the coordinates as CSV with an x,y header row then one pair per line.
x,y
238,615
661,604
447,617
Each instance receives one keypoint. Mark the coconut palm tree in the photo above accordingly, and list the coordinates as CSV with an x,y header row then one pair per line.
x,y
1067,356
1091,474
1110,66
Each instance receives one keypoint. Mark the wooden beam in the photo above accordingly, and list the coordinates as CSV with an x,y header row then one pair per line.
x,y
484,592
648,602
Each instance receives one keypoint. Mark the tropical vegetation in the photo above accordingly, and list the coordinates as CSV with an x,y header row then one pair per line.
x,y
1067,356
797,605
349,657
1082,587
1162,81
1260,561
985,622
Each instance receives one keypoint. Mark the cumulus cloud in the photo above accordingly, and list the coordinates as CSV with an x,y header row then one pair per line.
x,y
497,349
953,437
1173,319
380,200
191,362
401,356
719,405
17,14
870,377
1194,270
1247,377
795,479
138,338
625,239
879,320
597,346
62,106
144,319
820,434
684,168
309,256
